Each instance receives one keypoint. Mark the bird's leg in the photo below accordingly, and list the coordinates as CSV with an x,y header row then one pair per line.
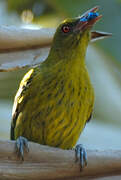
x,y
81,156
21,145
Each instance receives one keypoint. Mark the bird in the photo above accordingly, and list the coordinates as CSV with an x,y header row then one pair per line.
x,y
55,99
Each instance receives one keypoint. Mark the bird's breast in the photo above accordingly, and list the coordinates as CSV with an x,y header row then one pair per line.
x,y
68,101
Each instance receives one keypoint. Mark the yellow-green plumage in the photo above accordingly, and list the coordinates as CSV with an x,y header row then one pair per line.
x,y
55,99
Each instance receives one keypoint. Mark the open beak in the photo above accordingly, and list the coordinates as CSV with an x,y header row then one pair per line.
x,y
87,21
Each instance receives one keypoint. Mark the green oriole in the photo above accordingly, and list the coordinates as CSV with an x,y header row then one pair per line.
x,y
56,98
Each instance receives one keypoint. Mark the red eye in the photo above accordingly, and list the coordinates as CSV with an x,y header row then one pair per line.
x,y
66,29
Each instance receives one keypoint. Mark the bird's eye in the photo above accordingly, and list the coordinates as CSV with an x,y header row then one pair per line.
x,y
66,29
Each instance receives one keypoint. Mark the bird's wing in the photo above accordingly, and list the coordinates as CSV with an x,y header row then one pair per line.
x,y
17,106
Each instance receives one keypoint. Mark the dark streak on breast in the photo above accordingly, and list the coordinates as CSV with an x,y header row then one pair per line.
x,y
70,84
79,93
72,103
61,99
60,121
49,109
72,128
73,90
49,95
38,114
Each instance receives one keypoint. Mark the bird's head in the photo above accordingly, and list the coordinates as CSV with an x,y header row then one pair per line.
x,y
73,35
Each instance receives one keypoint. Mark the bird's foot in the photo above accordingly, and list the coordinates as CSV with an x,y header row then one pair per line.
x,y
21,145
81,156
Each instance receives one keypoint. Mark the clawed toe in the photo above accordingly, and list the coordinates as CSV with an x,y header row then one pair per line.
x,y
81,156
21,145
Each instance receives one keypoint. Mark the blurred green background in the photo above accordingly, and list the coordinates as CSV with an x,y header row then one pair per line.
x,y
103,62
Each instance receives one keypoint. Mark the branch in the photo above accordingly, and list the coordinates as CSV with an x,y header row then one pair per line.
x,y
23,47
43,162
15,38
